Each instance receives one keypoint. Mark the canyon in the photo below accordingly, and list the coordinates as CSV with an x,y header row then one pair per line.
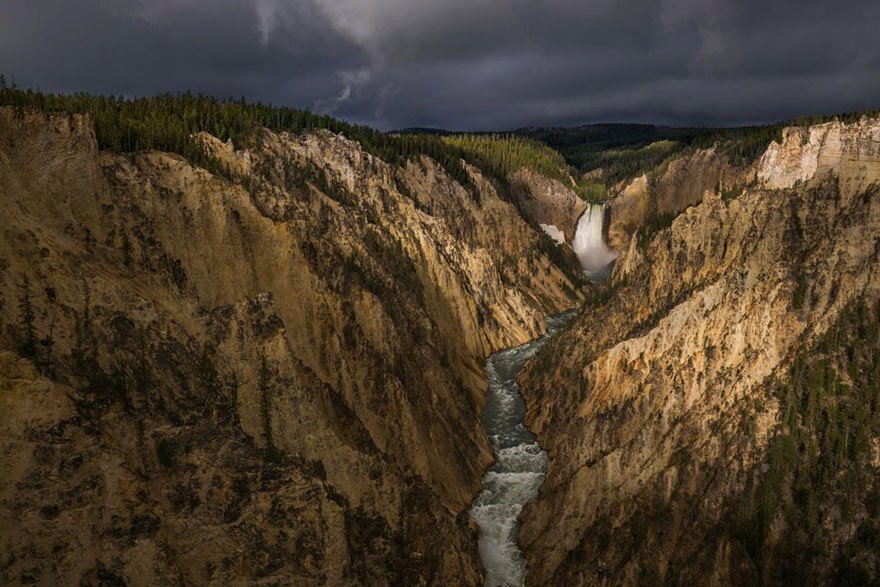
x,y
271,374
268,365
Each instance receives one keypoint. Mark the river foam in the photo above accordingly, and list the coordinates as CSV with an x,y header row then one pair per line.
x,y
518,472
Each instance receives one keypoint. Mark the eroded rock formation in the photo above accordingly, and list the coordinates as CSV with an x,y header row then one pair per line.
x,y
267,373
673,447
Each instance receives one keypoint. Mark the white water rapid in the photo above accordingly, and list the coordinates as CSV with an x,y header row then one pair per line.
x,y
589,245
518,472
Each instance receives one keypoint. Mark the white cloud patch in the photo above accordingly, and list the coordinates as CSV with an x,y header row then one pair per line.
x,y
267,12
351,80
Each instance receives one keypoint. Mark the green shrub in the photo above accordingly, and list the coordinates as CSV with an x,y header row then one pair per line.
x,y
818,463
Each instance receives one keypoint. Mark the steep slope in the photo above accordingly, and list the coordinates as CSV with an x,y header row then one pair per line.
x,y
539,180
689,441
546,201
651,200
271,373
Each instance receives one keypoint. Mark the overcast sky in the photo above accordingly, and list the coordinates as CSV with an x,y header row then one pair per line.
x,y
464,64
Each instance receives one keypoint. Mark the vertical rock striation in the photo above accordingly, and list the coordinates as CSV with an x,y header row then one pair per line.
x,y
661,410
271,373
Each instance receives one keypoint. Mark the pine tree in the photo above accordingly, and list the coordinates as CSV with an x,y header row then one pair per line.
x,y
265,388
126,248
208,375
84,336
48,341
28,343
233,382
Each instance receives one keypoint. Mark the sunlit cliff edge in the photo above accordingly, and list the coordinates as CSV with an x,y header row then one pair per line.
x,y
713,417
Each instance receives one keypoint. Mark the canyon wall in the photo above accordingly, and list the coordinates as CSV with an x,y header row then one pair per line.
x,y
547,201
713,414
271,372
669,190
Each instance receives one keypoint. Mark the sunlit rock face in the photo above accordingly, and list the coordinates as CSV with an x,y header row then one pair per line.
x,y
848,151
681,183
311,296
657,405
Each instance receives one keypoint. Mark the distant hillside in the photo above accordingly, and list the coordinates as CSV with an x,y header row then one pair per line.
x,y
602,137
419,130
620,151
509,153
617,152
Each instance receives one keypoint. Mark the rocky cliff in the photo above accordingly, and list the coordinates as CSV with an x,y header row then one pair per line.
x,y
848,151
266,373
713,414
670,189
547,201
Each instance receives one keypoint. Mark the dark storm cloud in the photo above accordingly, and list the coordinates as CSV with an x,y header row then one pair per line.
x,y
466,64
225,47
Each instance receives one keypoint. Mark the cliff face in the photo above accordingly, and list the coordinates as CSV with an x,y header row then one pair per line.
x,y
680,450
271,373
850,151
681,183
544,200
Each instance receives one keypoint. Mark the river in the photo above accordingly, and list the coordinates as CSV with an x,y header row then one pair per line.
x,y
518,472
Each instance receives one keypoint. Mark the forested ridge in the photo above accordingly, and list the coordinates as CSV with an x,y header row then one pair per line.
x,y
168,122
591,158
624,151
509,153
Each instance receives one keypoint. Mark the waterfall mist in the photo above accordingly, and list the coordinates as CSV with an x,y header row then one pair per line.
x,y
589,244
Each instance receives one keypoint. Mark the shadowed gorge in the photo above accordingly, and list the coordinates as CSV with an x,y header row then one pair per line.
x,y
272,371
242,344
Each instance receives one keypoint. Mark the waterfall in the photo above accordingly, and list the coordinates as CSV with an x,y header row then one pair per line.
x,y
589,245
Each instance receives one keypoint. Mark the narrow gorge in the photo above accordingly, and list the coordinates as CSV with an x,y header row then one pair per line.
x,y
302,352
518,471
514,479
265,367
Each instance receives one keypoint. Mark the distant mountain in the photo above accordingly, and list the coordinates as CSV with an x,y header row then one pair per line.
x,y
612,135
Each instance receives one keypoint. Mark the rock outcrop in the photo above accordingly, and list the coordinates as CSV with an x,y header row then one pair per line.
x,y
848,151
663,410
547,201
270,373
681,183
